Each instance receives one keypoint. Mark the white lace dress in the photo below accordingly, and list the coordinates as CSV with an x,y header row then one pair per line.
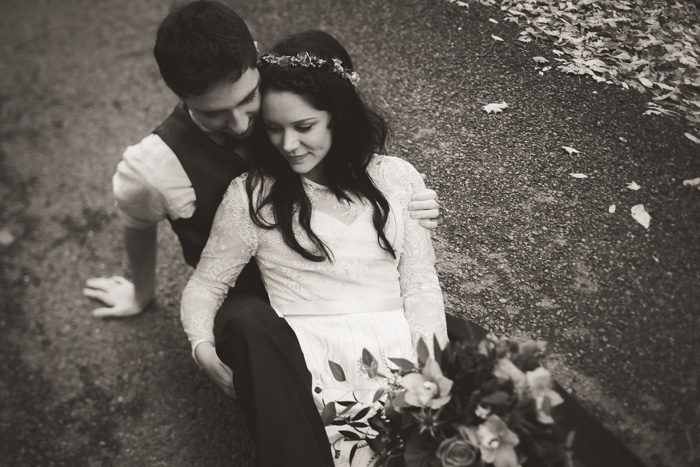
x,y
364,298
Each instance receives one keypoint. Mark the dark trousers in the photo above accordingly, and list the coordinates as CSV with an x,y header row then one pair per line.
x,y
272,383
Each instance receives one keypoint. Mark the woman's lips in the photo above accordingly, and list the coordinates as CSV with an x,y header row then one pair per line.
x,y
294,158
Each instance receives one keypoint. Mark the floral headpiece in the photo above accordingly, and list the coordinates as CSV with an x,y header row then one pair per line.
x,y
307,60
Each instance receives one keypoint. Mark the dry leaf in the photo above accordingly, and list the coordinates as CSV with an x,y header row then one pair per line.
x,y
692,138
646,83
578,175
641,215
570,150
6,237
633,186
612,208
496,108
695,182
496,38
493,21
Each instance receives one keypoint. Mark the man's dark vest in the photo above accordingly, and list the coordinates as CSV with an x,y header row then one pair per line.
x,y
210,169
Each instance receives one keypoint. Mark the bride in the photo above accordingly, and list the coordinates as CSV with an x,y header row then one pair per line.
x,y
325,218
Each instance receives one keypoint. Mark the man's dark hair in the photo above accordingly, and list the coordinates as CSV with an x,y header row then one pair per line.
x,y
202,44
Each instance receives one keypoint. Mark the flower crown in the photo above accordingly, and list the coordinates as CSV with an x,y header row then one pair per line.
x,y
306,60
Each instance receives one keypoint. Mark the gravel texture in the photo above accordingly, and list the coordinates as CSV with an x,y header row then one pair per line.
x,y
523,247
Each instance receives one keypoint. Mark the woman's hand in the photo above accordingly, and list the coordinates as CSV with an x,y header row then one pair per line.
x,y
205,355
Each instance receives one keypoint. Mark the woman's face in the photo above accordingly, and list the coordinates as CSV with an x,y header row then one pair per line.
x,y
299,131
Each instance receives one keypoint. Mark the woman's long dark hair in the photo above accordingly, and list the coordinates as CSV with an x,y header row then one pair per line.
x,y
358,133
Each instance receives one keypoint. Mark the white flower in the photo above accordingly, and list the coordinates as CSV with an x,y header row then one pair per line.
x,y
539,382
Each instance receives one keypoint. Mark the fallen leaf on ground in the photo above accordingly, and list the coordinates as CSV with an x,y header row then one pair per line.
x,y
692,138
496,38
646,83
612,208
570,150
495,107
695,182
633,186
6,237
493,21
578,175
641,215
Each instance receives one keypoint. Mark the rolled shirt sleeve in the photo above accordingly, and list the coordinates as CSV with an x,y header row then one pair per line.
x,y
150,185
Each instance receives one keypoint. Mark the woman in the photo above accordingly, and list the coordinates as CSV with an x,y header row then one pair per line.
x,y
325,218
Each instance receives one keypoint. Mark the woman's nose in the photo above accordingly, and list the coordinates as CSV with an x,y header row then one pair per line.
x,y
291,142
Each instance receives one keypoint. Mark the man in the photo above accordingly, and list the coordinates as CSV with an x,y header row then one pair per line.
x,y
180,172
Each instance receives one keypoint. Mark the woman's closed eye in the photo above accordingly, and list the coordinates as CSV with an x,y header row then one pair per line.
x,y
303,128
298,128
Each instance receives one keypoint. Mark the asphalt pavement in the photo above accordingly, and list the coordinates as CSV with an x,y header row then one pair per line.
x,y
523,247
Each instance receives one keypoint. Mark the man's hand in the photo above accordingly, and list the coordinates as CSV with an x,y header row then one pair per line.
x,y
424,206
117,293
206,356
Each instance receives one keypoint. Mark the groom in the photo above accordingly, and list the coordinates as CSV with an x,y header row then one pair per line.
x,y
180,172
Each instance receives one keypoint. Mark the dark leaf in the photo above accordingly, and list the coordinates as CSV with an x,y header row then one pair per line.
x,y
367,357
350,435
423,353
328,414
405,365
359,415
359,425
337,371
352,453
346,403
436,349
378,394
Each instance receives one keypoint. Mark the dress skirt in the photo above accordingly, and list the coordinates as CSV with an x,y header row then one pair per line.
x,y
341,338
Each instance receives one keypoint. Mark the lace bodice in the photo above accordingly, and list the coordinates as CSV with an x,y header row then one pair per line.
x,y
361,271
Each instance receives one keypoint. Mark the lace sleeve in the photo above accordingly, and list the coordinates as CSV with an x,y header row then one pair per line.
x,y
231,244
425,310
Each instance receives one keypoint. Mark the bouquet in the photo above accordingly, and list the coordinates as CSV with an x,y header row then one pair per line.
x,y
469,404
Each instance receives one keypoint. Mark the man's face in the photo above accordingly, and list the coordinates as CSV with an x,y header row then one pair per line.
x,y
229,108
